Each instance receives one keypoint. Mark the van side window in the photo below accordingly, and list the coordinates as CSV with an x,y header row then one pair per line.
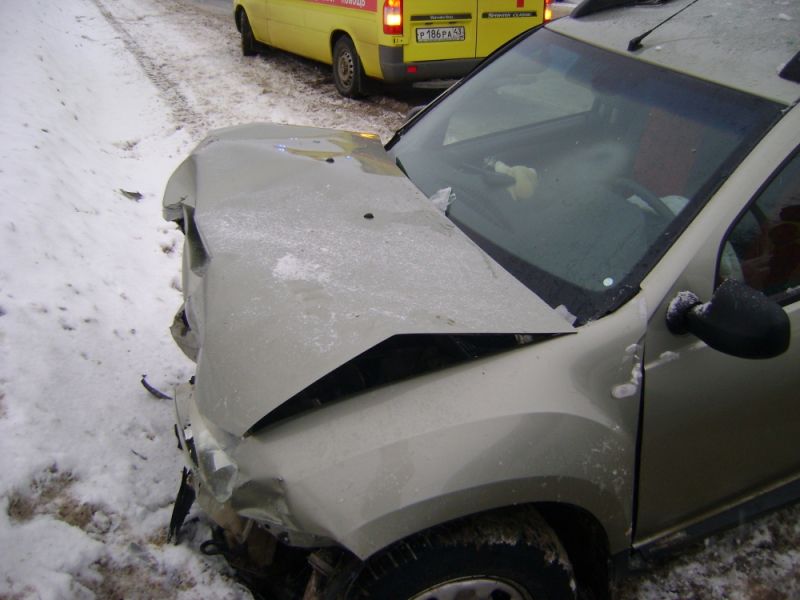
x,y
763,248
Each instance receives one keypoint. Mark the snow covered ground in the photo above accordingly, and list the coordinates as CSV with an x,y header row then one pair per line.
x,y
101,100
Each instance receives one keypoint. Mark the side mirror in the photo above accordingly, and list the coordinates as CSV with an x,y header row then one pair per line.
x,y
738,320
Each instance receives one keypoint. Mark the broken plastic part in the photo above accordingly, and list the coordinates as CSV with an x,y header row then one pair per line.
x,y
218,470
183,503
154,391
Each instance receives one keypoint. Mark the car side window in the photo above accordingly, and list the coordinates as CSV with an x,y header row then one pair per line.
x,y
763,247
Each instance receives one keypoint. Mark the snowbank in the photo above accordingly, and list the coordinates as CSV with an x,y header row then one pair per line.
x,y
87,288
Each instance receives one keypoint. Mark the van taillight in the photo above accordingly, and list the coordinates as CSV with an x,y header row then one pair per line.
x,y
548,12
393,17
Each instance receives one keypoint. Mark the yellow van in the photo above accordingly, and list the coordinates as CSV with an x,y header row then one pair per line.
x,y
392,40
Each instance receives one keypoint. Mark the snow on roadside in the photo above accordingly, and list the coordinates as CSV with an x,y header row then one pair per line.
x,y
87,288
756,561
109,96
193,57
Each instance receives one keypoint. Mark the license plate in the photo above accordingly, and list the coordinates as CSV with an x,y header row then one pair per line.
x,y
440,34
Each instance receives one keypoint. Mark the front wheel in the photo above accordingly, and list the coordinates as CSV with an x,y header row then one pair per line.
x,y
347,73
485,558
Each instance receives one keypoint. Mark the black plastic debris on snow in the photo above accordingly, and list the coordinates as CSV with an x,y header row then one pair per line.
x,y
154,391
183,504
135,196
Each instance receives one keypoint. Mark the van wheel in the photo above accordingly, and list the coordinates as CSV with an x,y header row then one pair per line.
x,y
486,558
249,44
347,74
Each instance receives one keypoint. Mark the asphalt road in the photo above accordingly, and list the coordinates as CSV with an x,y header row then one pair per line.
x,y
217,6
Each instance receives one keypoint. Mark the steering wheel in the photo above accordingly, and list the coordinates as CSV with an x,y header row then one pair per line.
x,y
630,187
486,206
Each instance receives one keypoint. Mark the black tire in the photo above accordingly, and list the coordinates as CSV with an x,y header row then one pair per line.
x,y
249,44
491,557
347,73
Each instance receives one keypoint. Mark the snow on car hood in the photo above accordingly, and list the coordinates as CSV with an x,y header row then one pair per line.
x,y
317,248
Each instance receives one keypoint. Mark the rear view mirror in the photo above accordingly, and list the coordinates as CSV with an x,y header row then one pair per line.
x,y
738,320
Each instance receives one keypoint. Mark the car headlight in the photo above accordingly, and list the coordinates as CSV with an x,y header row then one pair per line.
x,y
217,469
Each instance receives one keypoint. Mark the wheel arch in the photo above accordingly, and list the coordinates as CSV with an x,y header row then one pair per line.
x,y
336,35
569,518
354,89
569,536
586,543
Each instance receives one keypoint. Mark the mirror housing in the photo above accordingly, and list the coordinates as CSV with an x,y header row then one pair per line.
x,y
738,320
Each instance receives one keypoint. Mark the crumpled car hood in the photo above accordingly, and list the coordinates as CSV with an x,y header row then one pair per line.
x,y
315,248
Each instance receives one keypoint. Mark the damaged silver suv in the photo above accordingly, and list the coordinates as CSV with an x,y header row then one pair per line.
x,y
546,332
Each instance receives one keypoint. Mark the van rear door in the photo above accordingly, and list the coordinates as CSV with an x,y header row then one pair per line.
x,y
459,29
440,30
500,20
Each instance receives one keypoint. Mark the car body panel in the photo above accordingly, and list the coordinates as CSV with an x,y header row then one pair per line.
x,y
542,423
703,42
709,447
298,226
500,20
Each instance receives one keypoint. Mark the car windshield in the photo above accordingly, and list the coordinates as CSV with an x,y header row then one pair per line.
x,y
574,167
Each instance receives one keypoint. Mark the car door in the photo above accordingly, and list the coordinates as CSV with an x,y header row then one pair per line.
x,y
440,30
501,20
717,430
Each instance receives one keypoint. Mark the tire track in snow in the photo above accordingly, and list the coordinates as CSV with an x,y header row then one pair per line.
x,y
182,112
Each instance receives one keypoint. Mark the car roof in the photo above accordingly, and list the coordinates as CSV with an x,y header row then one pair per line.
x,y
742,44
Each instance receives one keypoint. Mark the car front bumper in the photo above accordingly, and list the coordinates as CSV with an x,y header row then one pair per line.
x,y
228,496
